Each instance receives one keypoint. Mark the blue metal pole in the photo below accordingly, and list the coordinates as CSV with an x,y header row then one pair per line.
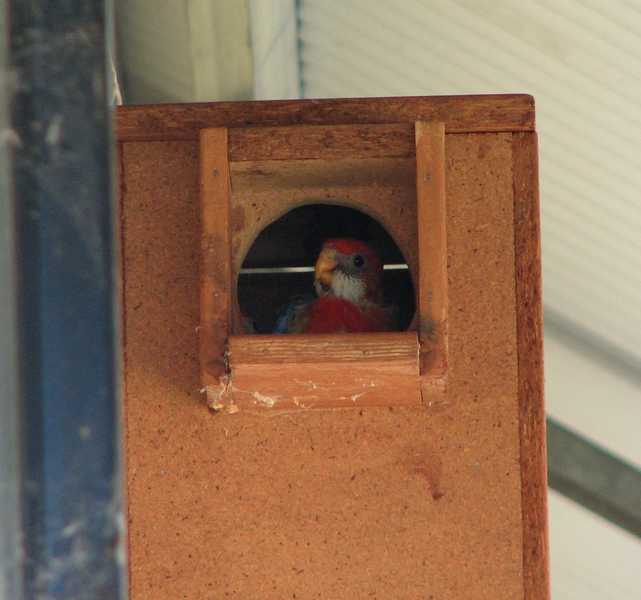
x,y
68,344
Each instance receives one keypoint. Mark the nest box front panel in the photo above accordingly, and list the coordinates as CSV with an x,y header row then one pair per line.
x,y
443,498
400,503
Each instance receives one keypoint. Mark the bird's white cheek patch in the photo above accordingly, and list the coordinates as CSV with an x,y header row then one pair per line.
x,y
348,288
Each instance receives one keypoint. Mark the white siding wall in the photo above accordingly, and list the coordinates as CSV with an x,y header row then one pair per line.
x,y
184,50
275,49
154,51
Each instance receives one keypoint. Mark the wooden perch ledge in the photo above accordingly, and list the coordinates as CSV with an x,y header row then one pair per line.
x,y
320,371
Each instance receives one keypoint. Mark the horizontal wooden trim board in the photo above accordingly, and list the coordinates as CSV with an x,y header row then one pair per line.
x,y
260,176
324,371
322,142
399,350
461,114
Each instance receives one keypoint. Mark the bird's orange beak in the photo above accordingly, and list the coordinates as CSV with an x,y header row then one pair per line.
x,y
325,266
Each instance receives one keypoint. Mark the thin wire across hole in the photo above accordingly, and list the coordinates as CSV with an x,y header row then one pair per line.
x,y
272,270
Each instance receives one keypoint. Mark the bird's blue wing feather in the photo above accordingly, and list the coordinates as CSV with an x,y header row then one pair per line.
x,y
291,316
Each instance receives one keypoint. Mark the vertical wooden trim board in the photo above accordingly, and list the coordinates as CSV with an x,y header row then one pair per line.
x,y
122,190
530,365
216,288
432,247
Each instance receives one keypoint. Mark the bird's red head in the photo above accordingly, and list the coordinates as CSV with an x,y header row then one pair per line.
x,y
350,269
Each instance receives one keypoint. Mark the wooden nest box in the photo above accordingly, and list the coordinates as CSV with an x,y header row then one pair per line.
x,y
439,491
252,176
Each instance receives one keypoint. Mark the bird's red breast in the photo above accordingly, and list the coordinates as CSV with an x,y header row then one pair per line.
x,y
334,315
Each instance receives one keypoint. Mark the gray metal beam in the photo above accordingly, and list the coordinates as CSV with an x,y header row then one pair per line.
x,y
10,513
593,346
591,476
578,468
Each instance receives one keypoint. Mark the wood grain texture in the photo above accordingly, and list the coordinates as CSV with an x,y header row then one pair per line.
x,y
307,176
398,349
529,318
216,282
461,114
321,141
324,371
432,248
122,329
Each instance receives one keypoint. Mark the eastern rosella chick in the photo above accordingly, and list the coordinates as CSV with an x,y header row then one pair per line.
x,y
348,282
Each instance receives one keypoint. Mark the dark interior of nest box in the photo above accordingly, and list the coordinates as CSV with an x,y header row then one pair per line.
x,y
279,264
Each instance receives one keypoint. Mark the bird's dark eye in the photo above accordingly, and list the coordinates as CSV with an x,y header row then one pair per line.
x,y
358,261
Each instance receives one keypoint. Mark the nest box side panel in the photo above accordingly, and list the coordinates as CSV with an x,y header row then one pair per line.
x,y
398,503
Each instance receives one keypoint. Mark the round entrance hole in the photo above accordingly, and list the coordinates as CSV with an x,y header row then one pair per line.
x,y
280,263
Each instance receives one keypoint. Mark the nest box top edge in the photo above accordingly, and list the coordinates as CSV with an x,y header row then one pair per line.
x,y
460,114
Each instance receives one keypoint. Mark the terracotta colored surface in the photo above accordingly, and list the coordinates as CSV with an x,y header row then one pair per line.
x,y
371,503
